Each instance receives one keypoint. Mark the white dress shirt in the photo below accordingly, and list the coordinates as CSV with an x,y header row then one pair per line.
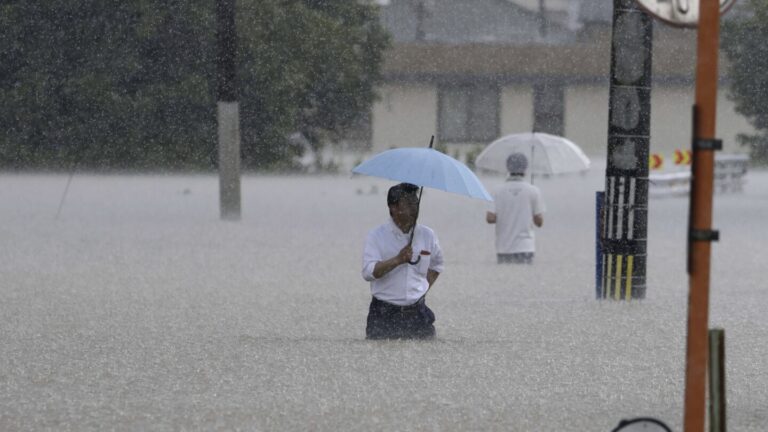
x,y
406,283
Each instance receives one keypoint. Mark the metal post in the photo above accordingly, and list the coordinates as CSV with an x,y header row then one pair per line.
x,y
625,229
700,234
717,380
599,216
228,113
421,16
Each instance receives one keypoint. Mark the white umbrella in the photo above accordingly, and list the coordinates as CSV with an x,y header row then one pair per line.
x,y
547,154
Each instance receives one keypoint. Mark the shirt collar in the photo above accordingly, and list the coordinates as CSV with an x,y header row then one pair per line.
x,y
515,177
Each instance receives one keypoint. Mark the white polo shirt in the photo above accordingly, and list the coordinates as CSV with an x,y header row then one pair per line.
x,y
406,283
515,203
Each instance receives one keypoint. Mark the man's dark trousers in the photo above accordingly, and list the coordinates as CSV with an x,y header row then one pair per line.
x,y
389,321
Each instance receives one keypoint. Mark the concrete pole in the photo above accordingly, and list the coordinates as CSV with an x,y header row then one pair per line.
x,y
700,233
228,113
625,211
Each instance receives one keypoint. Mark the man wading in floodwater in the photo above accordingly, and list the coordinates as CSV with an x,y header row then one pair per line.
x,y
399,278
517,208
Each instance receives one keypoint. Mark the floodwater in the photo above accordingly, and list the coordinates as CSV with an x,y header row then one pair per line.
x,y
138,309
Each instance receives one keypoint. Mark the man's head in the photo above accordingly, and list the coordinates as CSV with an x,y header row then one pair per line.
x,y
517,163
400,191
403,203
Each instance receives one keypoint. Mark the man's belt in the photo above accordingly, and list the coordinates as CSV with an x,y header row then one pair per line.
x,y
403,309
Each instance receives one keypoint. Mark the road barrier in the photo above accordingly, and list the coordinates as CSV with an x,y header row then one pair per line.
x,y
655,161
730,170
683,157
730,173
679,157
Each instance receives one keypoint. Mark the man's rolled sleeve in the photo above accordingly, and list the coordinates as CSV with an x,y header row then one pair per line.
x,y
436,261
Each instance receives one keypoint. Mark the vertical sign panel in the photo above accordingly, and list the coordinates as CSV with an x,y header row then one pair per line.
x,y
624,239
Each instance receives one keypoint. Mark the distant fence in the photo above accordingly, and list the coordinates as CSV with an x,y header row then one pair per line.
x,y
730,173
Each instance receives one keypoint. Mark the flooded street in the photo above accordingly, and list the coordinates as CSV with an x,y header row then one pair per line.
x,y
138,309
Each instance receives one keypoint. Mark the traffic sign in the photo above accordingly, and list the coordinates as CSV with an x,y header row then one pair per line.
x,y
682,157
681,13
655,161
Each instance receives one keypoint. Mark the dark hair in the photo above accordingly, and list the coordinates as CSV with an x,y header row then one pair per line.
x,y
398,191
517,163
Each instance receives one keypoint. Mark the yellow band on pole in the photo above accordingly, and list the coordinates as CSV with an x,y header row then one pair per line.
x,y
607,281
617,285
630,261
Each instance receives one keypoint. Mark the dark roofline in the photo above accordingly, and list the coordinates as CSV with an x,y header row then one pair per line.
x,y
674,60
514,79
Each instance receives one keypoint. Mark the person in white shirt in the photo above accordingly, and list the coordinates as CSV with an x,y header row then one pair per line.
x,y
400,277
517,208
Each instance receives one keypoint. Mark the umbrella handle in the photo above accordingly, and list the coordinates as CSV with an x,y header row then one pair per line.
x,y
413,230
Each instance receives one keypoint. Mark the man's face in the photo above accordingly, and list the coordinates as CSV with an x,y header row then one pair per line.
x,y
405,210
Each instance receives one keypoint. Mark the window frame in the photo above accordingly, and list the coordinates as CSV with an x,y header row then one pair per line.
x,y
468,135
548,121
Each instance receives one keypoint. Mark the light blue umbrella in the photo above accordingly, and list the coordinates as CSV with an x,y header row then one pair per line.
x,y
425,167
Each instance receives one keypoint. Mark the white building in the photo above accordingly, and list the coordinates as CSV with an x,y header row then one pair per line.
x,y
469,71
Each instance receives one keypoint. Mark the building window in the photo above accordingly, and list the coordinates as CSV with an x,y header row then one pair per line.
x,y
468,114
548,108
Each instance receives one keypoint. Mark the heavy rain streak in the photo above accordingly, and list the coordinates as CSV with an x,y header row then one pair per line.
x,y
199,228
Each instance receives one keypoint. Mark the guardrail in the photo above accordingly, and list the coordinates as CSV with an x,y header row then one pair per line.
x,y
730,170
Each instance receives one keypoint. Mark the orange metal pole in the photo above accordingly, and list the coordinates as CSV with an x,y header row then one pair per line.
x,y
701,215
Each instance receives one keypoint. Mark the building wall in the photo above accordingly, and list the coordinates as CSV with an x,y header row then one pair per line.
x,y
730,124
586,119
516,109
672,117
405,116
671,120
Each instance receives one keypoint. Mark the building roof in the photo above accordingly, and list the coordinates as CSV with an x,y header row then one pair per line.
x,y
502,41
674,55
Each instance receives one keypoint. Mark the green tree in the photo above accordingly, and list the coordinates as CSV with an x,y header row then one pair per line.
x,y
745,43
108,84
130,84
308,66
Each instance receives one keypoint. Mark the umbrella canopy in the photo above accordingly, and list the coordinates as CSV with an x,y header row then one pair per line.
x,y
547,154
425,167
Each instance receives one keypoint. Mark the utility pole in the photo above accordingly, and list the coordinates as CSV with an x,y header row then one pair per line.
x,y
700,233
624,218
704,14
228,112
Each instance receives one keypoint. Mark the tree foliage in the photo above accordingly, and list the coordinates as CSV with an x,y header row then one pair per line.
x,y
745,43
320,59
131,84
